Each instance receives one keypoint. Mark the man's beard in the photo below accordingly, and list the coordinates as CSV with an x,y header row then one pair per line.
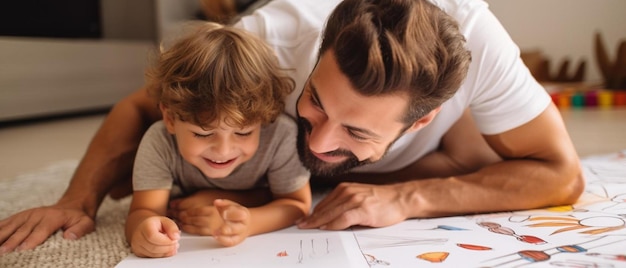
x,y
318,167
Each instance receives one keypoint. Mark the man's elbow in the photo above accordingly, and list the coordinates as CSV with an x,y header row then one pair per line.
x,y
573,185
575,189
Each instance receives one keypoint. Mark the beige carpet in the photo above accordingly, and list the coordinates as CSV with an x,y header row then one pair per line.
x,y
103,248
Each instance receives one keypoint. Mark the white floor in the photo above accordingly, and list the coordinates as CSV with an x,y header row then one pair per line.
x,y
28,147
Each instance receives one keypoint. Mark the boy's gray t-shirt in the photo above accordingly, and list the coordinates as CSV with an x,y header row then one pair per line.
x,y
159,165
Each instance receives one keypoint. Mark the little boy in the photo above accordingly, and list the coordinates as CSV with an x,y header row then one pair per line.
x,y
221,94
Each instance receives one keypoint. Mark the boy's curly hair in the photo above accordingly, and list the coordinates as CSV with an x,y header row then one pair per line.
x,y
219,72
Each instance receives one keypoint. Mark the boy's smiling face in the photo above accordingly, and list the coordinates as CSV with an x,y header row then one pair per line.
x,y
216,151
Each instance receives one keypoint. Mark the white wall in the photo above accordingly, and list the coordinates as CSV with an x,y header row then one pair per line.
x,y
564,28
42,77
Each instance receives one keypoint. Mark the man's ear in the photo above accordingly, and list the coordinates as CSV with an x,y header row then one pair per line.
x,y
168,118
425,120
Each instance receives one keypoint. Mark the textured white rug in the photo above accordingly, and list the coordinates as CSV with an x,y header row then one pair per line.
x,y
103,248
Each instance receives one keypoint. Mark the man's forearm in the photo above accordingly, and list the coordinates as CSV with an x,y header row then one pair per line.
x,y
110,155
248,198
505,186
437,164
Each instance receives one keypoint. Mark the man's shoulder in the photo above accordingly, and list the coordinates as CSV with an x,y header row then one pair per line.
x,y
458,7
285,22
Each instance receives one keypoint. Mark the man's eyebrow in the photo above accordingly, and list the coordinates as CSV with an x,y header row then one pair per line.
x,y
350,128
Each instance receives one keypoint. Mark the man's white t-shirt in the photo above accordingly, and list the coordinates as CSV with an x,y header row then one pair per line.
x,y
499,90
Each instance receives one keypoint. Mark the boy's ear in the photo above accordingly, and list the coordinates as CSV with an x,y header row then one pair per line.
x,y
425,120
168,118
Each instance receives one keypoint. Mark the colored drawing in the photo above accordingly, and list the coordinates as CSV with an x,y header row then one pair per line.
x,y
534,256
450,228
499,229
473,247
592,225
433,256
568,208
372,261
443,227
522,216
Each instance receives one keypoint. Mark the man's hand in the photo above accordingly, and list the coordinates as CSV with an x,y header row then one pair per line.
x,y
156,237
198,199
248,198
357,204
198,220
29,228
196,213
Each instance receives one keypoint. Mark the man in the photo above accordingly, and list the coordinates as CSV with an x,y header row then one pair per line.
x,y
393,100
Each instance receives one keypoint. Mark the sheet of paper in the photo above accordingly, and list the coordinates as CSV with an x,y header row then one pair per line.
x,y
285,248
590,233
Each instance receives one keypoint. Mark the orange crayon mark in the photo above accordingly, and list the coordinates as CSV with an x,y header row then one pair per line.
x,y
434,256
566,208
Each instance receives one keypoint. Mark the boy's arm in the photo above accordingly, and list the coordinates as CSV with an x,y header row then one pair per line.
x,y
205,197
148,231
107,162
240,222
145,204
282,212
235,224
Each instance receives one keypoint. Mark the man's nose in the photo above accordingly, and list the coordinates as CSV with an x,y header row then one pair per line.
x,y
325,137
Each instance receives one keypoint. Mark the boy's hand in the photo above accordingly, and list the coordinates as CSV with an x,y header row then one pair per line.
x,y
236,222
156,237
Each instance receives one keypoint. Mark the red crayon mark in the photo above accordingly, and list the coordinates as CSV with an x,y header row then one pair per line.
x,y
473,247
531,239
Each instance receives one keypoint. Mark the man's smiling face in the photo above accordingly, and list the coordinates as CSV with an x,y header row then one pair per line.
x,y
339,129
